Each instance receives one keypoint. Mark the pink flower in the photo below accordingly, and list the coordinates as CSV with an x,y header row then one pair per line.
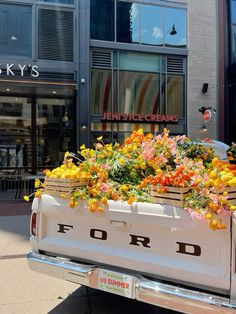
x,y
104,187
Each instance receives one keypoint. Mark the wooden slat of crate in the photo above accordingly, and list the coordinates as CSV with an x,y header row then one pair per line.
x,y
174,196
58,186
231,194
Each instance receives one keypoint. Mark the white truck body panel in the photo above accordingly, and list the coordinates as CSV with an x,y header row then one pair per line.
x,y
165,226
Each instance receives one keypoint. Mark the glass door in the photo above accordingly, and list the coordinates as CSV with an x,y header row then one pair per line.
x,y
54,130
15,132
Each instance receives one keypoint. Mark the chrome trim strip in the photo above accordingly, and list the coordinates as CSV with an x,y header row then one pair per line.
x,y
148,291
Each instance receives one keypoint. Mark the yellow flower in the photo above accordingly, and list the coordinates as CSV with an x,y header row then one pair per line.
x,y
82,147
121,161
26,198
99,138
67,154
37,183
38,194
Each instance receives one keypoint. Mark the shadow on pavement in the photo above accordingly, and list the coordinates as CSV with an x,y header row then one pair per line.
x,y
15,225
89,301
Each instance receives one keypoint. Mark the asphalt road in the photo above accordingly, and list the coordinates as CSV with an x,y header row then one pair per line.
x,y
23,291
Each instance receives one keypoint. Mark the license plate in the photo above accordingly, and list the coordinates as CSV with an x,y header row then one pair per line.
x,y
116,283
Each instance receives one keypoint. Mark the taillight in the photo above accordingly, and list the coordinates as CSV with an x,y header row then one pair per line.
x,y
33,224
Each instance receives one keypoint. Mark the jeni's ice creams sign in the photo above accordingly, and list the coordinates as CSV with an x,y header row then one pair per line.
x,y
19,70
131,117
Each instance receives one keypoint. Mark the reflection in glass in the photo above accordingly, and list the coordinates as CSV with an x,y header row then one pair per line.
x,y
233,43
138,92
233,11
175,27
151,25
139,61
15,30
60,1
128,22
54,130
15,132
102,19
101,96
175,95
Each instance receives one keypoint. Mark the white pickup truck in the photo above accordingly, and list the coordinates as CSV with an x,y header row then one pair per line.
x,y
150,252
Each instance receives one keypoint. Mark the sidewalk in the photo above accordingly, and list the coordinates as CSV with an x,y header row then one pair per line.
x,y
23,291
15,208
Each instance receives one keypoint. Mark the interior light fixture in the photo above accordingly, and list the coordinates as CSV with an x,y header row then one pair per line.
x,y
8,89
54,92
65,117
13,37
173,30
84,126
204,128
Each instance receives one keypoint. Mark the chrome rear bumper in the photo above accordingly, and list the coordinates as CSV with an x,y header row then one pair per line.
x,y
148,291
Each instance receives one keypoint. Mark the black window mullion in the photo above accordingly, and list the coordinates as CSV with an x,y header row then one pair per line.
x,y
33,135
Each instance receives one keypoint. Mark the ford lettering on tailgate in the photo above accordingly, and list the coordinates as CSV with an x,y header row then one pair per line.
x,y
99,234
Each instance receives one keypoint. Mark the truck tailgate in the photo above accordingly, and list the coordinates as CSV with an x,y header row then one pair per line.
x,y
158,240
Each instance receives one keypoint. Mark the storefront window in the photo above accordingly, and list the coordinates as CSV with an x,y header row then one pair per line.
x,y
101,96
15,132
138,92
175,95
55,133
15,30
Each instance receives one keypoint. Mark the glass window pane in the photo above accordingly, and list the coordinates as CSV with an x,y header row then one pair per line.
x,y
55,35
15,132
55,135
233,43
138,92
59,1
151,25
175,95
139,61
101,95
15,30
128,28
102,19
175,27
233,11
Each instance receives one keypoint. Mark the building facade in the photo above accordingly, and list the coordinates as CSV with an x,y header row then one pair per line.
x,y
227,41
73,70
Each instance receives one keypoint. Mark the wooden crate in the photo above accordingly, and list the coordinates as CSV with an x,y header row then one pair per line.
x,y
174,196
58,186
231,194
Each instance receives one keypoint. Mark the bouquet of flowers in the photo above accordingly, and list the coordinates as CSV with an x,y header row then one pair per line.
x,y
231,153
128,172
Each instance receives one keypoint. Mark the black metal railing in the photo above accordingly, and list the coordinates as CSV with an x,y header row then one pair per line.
x,y
15,182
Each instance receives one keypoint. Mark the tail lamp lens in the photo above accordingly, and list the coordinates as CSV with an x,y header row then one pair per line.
x,y
33,224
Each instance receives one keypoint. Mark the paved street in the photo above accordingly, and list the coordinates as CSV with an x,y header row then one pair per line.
x,y
23,291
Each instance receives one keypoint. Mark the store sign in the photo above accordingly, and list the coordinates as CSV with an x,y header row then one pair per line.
x,y
10,69
130,117
207,116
